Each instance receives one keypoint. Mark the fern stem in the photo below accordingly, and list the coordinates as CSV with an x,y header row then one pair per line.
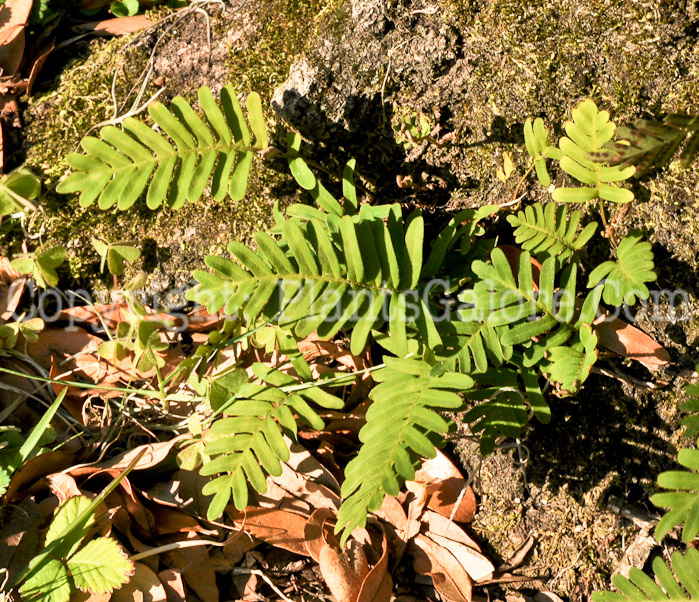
x,y
521,181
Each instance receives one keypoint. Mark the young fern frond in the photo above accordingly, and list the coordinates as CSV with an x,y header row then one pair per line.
x,y
176,163
326,272
536,139
540,230
249,442
649,144
625,278
683,586
569,365
402,425
589,131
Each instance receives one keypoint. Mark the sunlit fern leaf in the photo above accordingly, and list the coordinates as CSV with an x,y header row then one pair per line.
x,y
502,411
569,365
540,229
625,278
503,298
176,163
650,144
536,140
249,442
589,131
401,427
683,586
471,347
323,273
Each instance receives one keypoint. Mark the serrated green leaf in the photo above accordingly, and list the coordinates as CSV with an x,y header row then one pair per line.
x,y
49,584
100,566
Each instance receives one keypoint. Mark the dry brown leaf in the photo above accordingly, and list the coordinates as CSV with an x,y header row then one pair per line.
x,y
197,570
8,274
10,297
63,486
279,528
19,535
144,586
35,468
445,485
450,578
14,15
378,585
436,523
154,454
79,596
317,532
117,26
344,571
628,341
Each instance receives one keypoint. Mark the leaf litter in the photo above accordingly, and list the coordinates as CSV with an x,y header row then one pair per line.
x,y
282,546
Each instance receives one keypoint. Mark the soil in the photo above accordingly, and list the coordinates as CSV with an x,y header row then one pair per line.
x,y
344,74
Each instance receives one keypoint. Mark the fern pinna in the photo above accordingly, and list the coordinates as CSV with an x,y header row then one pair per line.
x,y
120,164
682,502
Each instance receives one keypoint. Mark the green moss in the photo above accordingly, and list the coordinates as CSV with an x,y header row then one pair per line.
x,y
262,60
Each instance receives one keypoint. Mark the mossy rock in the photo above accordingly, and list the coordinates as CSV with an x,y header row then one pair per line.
x,y
251,46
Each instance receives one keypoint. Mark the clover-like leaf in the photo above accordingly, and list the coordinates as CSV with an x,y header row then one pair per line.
x,y
42,265
115,254
100,567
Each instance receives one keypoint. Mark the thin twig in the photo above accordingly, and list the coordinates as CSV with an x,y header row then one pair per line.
x,y
267,580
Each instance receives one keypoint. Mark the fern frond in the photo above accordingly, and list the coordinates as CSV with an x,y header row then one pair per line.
x,y
649,144
536,140
683,586
249,442
501,298
326,272
402,424
625,278
175,165
472,347
589,131
547,230
570,365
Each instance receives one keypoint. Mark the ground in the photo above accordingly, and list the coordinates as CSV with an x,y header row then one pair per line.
x,y
344,73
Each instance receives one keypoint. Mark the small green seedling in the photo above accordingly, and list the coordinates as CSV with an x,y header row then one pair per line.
x,y
114,254
17,190
41,265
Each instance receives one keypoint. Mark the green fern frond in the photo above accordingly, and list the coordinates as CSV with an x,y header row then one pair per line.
x,y
471,347
639,587
501,298
536,140
249,442
502,411
625,278
570,365
649,144
548,230
402,425
589,131
326,272
175,165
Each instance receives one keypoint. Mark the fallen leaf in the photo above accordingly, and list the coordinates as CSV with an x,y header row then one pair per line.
x,y
628,341
378,585
117,26
35,468
279,528
144,586
154,454
14,15
450,578
449,492
317,532
197,570
344,571
19,536
63,486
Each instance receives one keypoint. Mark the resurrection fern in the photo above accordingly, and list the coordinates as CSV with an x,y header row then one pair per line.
x,y
649,144
249,441
527,309
536,139
403,424
589,131
176,163
625,278
683,586
548,230
325,272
